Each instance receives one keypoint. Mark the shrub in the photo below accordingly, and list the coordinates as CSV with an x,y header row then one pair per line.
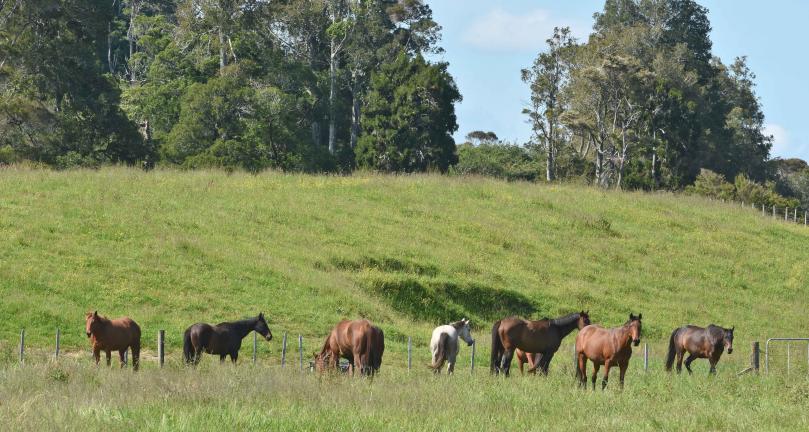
x,y
506,161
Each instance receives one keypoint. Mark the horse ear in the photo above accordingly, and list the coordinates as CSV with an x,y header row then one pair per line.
x,y
95,314
640,316
631,316
261,315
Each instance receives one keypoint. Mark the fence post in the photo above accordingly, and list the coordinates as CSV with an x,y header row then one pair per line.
x,y
786,213
161,347
773,212
56,353
255,347
805,217
788,344
755,358
409,352
284,350
763,212
645,357
300,350
22,345
795,215
472,366
575,360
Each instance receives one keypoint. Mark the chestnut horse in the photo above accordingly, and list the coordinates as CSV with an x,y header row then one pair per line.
x,y
223,339
113,335
358,341
525,357
543,336
608,347
700,342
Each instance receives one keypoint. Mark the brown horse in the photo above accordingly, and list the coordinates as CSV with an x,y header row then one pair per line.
x,y
608,347
700,342
525,357
113,335
223,339
543,337
358,341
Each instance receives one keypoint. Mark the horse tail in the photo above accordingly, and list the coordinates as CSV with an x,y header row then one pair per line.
x,y
672,350
441,352
135,353
497,348
377,350
188,347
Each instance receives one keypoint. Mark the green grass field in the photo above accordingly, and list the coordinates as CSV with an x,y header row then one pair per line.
x,y
172,248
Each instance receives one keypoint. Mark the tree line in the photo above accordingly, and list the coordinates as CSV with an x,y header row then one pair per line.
x,y
313,85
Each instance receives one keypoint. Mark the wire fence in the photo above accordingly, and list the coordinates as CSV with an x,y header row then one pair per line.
x,y
794,215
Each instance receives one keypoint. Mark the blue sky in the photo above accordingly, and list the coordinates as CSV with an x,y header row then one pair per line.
x,y
487,42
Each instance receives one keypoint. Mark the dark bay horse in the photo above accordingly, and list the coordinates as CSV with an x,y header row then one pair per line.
x,y
358,341
113,335
608,347
543,337
223,339
708,343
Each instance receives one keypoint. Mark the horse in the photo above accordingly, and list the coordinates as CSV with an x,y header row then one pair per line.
x,y
113,335
444,344
543,336
358,341
525,357
223,339
708,343
608,347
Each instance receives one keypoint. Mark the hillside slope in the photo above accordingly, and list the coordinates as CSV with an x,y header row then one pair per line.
x,y
172,248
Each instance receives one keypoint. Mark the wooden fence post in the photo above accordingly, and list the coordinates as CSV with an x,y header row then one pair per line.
x,y
795,215
22,345
284,350
763,212
56,352
472,366
805,217
300,350
773,212
786,213
645,357
161,347
755,359
409,352
255,347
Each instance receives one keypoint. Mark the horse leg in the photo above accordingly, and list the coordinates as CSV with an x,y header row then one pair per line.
x,y
222,358
545,362
596,367
623,366
581,371
121,354
197,355
234,356
136,356
508,354
680,353
713,362
453,354
109,357
606,374
691,357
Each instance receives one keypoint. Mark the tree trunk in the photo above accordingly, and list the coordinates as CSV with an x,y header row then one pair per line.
x,y
332,97
223,60
355,116
549,160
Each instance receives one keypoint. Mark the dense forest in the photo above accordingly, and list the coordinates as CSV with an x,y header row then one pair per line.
x,y
337,85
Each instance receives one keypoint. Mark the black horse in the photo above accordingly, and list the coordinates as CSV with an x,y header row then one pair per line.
x,y
222,339
699,342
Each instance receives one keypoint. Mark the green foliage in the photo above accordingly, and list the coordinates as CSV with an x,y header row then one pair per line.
x,y
409,118
505,161
743,189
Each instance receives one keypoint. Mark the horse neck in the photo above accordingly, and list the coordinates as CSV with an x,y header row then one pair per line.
x,y
624,336
565,327
244,327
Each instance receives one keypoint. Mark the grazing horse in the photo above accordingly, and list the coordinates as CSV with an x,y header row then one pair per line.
x,y
444,344
543,336
358,341
700,342
113,335
608,347
224,339
525,357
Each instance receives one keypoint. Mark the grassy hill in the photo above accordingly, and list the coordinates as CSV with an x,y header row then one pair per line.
x,y
172,248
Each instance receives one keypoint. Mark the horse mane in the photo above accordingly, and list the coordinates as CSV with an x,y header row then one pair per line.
x,y
458,324
566,319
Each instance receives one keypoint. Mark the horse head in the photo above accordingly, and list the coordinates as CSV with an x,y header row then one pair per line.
x,y
320,360
584,319
728,339
635,328
92,323
465,332
262,328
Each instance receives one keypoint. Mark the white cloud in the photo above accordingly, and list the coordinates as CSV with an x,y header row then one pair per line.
x,y
500,30
780,142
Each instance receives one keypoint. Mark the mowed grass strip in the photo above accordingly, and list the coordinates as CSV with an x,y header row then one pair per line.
x,y
170,248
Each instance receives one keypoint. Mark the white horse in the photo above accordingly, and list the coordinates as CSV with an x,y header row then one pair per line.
x,y
444,344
